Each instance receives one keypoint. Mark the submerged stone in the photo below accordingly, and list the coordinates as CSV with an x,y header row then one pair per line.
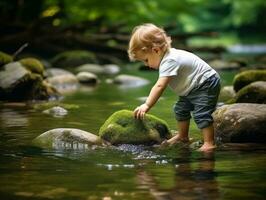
x,y
56,111
67,138
123,128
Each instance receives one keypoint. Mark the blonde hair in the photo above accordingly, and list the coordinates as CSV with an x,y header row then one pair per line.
x,y
145,37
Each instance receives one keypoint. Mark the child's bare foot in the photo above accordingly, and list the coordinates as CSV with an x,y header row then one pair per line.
x,y
206,147
174,140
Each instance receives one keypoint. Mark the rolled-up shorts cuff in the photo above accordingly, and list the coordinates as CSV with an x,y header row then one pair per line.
x,y
204,124
179,118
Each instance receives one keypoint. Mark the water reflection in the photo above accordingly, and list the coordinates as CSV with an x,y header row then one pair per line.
x,y
13,118
192,179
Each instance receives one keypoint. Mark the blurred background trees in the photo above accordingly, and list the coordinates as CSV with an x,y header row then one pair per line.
x,y
52,26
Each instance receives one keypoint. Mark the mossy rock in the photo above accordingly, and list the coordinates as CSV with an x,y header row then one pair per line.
x,y
50,104
33,65
244,78
73,58
5,58
123,128
252,93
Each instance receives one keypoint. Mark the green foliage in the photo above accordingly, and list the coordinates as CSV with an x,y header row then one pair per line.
x,y
73,58
186,15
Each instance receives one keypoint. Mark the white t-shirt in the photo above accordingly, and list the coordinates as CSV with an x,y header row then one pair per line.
x,y
187,70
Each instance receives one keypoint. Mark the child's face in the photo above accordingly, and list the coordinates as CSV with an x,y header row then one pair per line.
x,y
151,59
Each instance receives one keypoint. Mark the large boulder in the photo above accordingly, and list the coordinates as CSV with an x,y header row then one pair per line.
x,y
252,93
246,77
73,58
123,128
240,123
67,138
19,84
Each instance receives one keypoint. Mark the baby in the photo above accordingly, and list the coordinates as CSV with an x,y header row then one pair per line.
x,y
192,79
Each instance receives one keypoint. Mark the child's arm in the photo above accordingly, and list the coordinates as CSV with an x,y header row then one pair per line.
x,y
154,95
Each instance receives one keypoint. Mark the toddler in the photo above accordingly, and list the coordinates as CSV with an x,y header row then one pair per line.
x,y
192,79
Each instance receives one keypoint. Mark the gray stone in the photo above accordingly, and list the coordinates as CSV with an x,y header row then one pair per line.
x,y
64,83
56,111
92,68
242,122
128,81
67,138
12,74
87,77
227,93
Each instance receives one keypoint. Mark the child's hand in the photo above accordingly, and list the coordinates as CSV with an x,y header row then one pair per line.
x,y
141,110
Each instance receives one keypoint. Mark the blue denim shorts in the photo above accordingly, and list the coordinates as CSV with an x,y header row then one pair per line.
x,y
201,101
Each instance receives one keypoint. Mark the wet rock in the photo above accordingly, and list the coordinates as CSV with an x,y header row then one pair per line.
x,y
64,83
73,58
108,69
19,84
244,78
87,77
92,68
67,138
123,128
12,74
227,93
128,81
252,93
224,65
240,123
56,111
111,69
57,72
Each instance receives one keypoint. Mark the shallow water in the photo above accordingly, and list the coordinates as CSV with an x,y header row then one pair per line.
x,y
124,172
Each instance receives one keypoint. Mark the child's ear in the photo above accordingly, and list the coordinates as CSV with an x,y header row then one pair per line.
x,y
156,49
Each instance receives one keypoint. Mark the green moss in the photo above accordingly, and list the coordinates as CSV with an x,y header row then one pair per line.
x,y
5,58
244,78
73,58
252,93
33,65
122,127
47,105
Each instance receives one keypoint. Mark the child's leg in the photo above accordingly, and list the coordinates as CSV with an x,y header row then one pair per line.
x,y
208,138
182,135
